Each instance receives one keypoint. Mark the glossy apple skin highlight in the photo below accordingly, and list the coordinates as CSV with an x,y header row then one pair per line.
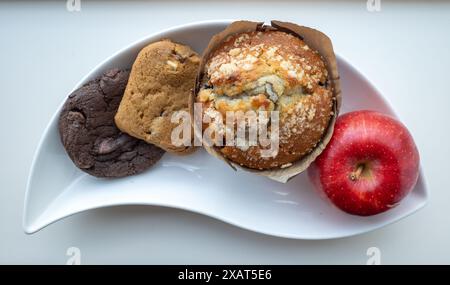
x,y
370,164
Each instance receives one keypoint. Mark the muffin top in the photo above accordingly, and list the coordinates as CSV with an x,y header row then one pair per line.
x,y
270,71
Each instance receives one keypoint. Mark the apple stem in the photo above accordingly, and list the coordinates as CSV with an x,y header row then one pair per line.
x,y
357,173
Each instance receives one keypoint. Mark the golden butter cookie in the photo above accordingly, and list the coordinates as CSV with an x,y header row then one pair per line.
x,y
162,77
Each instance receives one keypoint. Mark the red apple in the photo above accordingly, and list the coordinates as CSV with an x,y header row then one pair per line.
x,y
370,164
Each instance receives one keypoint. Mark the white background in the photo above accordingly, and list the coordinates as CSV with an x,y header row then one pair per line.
x,y
46,50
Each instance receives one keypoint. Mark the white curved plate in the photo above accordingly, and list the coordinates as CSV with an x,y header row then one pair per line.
x,y
199,182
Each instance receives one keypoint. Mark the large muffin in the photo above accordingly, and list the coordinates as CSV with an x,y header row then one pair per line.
x,y
270,70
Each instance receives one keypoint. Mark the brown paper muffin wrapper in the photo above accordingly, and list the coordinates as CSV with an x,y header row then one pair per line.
x,y
314,39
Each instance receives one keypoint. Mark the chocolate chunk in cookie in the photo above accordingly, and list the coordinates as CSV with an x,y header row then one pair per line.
x,y
90,136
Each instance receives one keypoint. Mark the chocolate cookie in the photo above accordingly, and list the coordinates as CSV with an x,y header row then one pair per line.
x,y
90,137
161,80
